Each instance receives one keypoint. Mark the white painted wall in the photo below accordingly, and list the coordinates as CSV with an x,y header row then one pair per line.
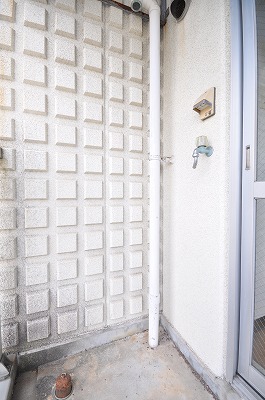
x,y
195,202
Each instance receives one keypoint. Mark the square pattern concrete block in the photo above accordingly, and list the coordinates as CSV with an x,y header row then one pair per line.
x,y
93,164
38,329
116,309
136,167
116,92
94,290
93,240
35,16
92,34
7,97
93,112
93,190
8,307
136,48
65,52
65,80
35,43
115,67
35,132
36,217
93,138
34,73
136,305
94,315
7,189
115,17
136,236
136,282
66,189
9,335
36,274
116,166
93,9
135,96
66,295
116,238
8,218
94,265
135,25
66,269
7,68
65,108
135,72
66,216
136,259
35,102
66,243
36,246
36,189
65,135
7,10
115,42
67,322
93,215
7,37
116,262
35,160
8,247
116,141
8,129
136,190
93,60
116,214
37,301
8,278
136,213
67,5
116,117
135,144
66,162
135,120
116,286
93,86
116,190
65,25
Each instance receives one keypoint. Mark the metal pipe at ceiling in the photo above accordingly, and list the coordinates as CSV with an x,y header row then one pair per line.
x,y
144,16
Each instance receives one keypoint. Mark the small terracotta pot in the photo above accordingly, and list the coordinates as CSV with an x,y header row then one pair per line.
x,y
63,386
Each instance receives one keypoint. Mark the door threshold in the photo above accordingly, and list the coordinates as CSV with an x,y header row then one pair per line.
x,y
245,390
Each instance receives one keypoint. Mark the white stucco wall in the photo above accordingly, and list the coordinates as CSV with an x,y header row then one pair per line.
x,y
195,202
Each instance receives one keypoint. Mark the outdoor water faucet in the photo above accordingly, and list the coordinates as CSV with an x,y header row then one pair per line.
x,y
202,148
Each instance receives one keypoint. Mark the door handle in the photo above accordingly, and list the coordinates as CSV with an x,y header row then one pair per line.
x,y
247,167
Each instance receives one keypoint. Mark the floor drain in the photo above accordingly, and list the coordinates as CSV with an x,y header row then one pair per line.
x,y
63,387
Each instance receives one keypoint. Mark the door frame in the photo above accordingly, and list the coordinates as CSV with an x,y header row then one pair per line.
x,y
235,186
235,189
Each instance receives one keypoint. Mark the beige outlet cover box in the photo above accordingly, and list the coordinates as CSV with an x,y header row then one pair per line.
x,y
205,104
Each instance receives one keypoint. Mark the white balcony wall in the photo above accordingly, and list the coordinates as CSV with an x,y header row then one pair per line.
x,y
195,212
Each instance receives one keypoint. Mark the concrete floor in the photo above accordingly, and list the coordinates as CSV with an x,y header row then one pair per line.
x,y
125,369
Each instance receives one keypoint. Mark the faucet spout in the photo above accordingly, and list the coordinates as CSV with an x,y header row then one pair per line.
x,y
195,156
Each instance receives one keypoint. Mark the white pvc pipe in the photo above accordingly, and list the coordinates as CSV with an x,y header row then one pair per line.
x,y
154,267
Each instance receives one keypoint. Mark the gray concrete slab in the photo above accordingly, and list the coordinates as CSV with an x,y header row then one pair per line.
x,y
125,369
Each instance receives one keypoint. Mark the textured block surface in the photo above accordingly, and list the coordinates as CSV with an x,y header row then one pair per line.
x,y
74,178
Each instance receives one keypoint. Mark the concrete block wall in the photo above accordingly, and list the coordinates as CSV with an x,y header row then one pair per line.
x,y
74,177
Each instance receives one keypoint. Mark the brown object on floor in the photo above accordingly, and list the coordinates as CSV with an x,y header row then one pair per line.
x,y
63,386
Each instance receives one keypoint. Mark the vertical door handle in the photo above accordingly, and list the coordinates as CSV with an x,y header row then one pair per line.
x,y
247,157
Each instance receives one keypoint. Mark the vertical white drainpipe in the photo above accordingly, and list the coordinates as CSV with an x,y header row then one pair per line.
x,y
154,295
